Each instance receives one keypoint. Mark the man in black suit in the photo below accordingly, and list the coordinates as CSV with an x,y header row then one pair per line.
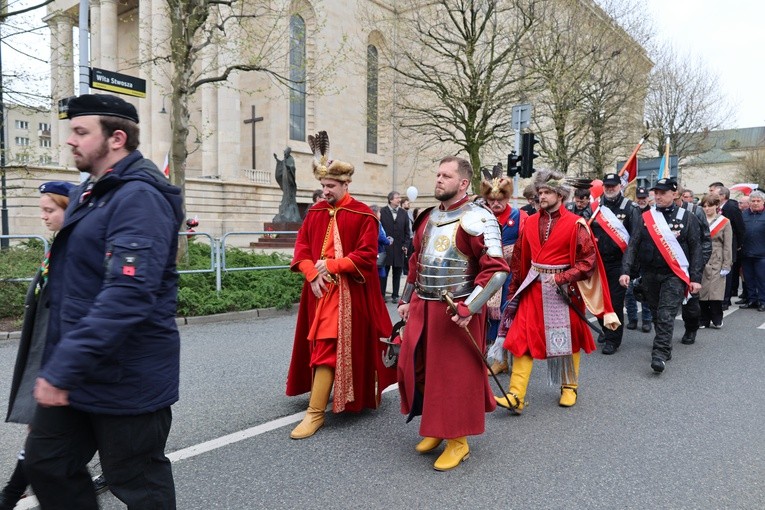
x,y
395,221
729,208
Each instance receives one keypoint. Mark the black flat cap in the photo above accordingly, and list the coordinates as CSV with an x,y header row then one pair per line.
x,y
665,185
56,187
101,104
641,192
611,180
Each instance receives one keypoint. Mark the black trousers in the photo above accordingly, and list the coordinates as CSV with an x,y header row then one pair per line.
x,y
613,272
132,451
711,312
692,313
396,275
664,294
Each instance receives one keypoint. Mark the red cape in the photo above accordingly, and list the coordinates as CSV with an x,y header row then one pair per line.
x,y
359,230
450,388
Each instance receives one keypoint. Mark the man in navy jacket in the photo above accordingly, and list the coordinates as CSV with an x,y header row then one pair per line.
x,y
110,367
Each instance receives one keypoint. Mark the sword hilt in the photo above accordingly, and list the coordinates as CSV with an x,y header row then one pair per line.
x,y
446,296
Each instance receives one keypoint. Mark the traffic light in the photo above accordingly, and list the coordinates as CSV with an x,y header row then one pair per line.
x,y
528,140
512,164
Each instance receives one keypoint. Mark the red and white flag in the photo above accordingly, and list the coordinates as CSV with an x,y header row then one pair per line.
x,y
166,166
629,171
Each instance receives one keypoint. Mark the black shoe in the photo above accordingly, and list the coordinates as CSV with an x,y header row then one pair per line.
x,y
717,326
394,299
725,307
761,308
601,338
741,301
631,325
748,305
688,338
657,365
7,503
99,483
726,302
609,348
646,328
704,325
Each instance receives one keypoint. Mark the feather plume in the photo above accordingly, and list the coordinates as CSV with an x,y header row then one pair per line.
x,y
486,174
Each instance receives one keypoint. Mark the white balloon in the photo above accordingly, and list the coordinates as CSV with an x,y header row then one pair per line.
x,y
411,193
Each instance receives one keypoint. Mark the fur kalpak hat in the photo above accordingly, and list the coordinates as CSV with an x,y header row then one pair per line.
x,y
494,186
555,181
323,167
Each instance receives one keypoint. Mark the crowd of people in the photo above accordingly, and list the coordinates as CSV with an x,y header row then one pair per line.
x,y
517,284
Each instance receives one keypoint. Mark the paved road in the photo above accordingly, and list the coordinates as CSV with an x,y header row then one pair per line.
x,y
690,438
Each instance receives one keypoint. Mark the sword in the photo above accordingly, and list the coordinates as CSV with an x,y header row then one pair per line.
x,y
562,292
447,297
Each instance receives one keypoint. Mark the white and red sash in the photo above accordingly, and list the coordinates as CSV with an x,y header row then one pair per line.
x,y
718,225
612,226
667,244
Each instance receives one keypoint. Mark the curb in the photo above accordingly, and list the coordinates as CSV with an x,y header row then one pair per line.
x,y
259,313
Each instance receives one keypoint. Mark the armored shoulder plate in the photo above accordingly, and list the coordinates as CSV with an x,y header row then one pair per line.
x,y
477,221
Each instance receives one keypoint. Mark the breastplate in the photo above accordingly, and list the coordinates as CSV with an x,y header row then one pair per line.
x,y
441,266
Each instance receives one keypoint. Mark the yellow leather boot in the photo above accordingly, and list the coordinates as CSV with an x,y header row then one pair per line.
x,y
498,367
456,451
568,391
323,378
519,381
428,444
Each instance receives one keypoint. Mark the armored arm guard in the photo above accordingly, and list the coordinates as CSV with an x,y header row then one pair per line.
x,y
481,295
406,296
479,221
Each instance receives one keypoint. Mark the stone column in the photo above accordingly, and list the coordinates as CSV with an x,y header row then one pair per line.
x,y
145,73
95,33
210,127
62,79
108,35
160,83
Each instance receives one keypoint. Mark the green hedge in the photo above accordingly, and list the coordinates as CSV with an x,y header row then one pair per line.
x,y
241,290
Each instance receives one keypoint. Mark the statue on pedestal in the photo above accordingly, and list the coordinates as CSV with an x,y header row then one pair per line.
x,y
285,177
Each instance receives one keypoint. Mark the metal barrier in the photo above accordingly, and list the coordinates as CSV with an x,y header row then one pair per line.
x,y
45,250
217,254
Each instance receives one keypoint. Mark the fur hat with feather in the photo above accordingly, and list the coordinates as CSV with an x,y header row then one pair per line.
x,y
323,167
494,186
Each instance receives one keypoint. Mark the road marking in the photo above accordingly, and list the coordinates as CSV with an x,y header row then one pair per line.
x,y
208,446
761,327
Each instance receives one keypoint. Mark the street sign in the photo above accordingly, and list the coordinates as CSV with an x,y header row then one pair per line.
x,y
116,82
521,118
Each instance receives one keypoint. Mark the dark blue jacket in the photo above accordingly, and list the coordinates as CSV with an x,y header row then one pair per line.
x,y
754,235
112,339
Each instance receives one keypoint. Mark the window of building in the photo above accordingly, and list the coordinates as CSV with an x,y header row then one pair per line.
x,y
46,160
372,77
297,77
44,126
22,140
23,158
44,142
22,124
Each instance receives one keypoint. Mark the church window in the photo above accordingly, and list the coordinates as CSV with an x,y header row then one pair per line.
x,y
297,77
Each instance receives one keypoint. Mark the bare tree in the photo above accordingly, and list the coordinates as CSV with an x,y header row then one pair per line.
x,y
684,102
591,78
458,72
753,167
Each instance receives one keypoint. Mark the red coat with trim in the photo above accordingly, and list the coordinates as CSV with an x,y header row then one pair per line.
x,y
358,229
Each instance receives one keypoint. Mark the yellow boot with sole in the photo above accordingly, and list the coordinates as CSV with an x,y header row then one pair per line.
x,y
323,378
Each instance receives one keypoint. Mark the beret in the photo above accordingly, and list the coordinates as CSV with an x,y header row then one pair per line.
x,y
101,104
56,187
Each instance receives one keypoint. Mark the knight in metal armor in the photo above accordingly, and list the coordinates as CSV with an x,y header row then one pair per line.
x,y
441,371
556,272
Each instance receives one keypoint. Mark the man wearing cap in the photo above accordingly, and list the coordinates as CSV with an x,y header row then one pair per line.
x,y
613,222
497,191
441,372
667,248
641,203
556,272
342,315
692,307
110,367
581,203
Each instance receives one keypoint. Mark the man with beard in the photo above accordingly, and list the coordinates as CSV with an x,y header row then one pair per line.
x,y
110,366
441,372
496,191
667,249
555,258
342,314
612,224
